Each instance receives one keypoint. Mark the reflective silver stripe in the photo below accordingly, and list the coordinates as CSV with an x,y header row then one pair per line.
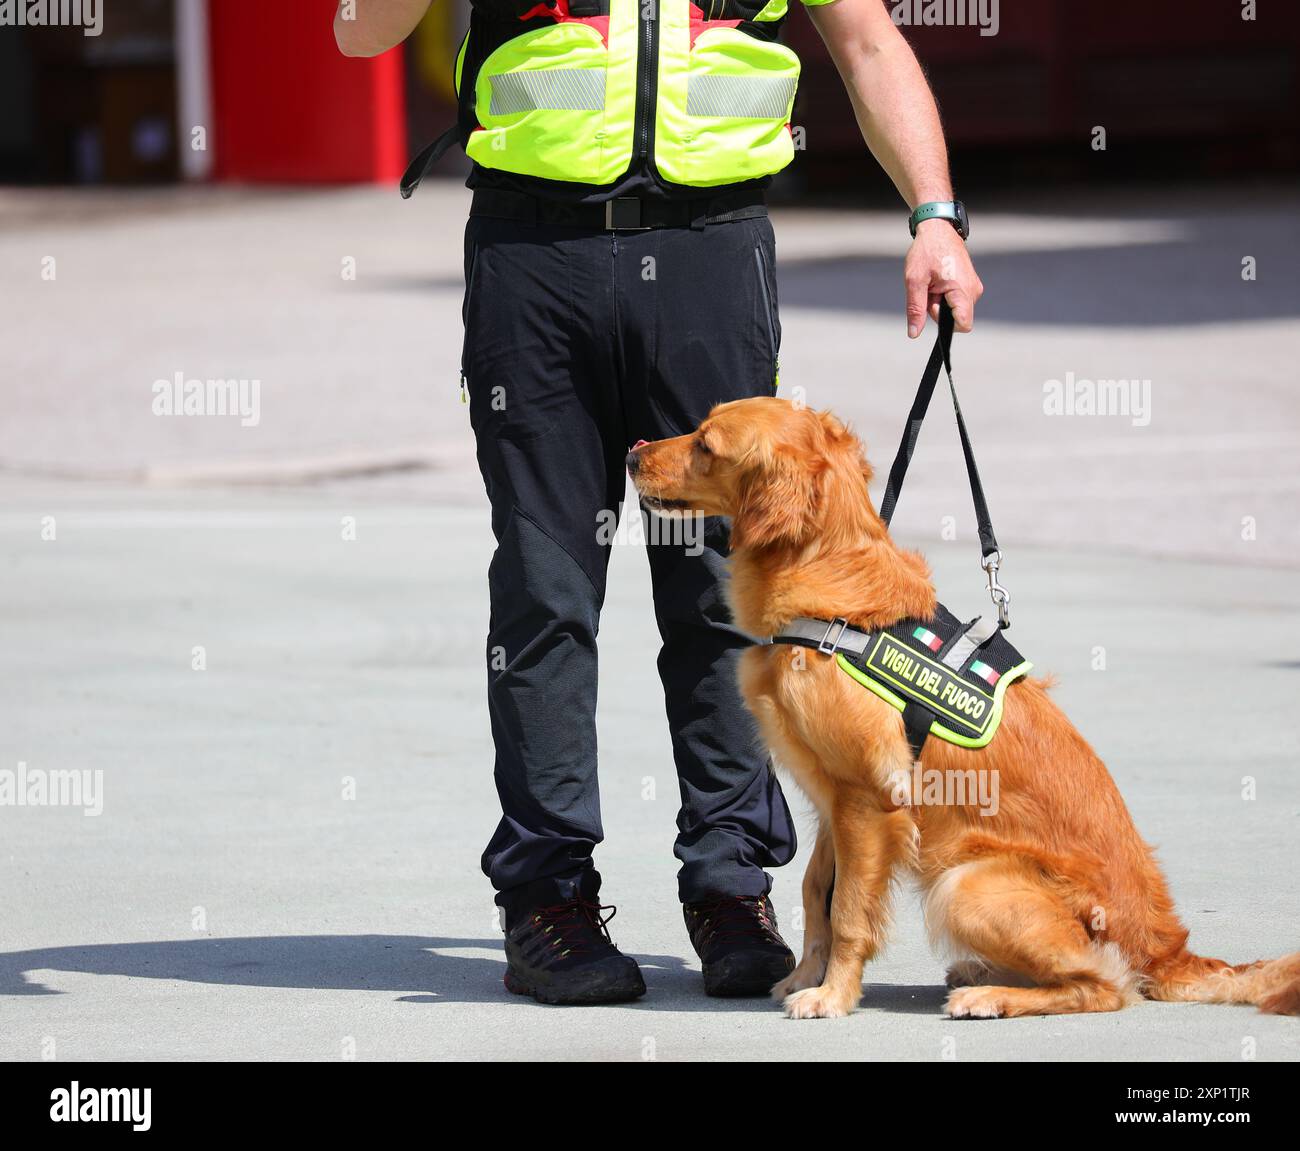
x,y
817,631
752,97
556,89
979,632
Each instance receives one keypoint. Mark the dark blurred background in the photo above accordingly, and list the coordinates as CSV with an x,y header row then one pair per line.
x,y
253,91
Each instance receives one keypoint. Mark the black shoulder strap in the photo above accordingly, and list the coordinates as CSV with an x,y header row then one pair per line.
x,y
941,357
426,158
916,725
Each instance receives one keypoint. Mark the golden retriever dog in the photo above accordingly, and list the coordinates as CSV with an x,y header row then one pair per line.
x,y
1052,904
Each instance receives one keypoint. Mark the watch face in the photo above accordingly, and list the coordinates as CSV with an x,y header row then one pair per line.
x,y
963,225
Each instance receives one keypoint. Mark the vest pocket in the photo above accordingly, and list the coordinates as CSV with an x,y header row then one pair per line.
x,y
724,107
549,104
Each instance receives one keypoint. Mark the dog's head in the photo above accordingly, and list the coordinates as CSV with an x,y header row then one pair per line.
x,y
782,473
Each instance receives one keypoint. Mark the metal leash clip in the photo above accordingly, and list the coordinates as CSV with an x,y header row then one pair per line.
x,y
1000,596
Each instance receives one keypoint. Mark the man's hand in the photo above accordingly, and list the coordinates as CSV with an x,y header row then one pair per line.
x,y
900,123
937,267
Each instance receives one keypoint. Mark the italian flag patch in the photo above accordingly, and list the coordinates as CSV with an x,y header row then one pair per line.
x,y
986,673
927,637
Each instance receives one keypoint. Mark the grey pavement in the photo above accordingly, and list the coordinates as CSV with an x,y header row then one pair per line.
x,y
285,864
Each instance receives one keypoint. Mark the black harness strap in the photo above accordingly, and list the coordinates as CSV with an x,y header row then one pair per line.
x,y
425,159
916,722
941,357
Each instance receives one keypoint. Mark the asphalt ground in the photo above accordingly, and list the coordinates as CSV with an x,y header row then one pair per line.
x,y
284,862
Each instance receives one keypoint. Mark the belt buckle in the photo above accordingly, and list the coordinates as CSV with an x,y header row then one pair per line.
x,y
828,646
623,214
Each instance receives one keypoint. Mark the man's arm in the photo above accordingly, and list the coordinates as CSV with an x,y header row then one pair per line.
x,y
369,27
900,123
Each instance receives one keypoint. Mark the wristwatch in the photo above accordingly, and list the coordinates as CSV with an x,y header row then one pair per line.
x,y
954,211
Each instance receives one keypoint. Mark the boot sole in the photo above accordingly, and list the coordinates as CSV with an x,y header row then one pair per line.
x,y
736,978
605,988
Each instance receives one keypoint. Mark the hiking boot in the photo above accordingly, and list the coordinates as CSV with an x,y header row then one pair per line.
x,y
562,953
737,941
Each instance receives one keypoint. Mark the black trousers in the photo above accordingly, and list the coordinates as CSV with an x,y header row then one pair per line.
x,y
578,343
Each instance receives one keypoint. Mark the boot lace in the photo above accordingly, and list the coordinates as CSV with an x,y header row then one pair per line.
x,y
738,919
576,927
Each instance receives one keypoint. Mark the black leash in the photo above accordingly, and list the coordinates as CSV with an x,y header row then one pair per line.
x,y
990,555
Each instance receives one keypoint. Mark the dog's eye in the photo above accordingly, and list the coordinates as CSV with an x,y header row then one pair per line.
x,y
703,448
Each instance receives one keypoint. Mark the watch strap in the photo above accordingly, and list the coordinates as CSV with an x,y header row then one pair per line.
x,y
938,210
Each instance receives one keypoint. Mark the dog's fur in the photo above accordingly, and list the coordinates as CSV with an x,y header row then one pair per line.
x,y
1053,904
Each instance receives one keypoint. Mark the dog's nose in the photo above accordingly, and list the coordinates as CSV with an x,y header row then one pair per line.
x,y
633,461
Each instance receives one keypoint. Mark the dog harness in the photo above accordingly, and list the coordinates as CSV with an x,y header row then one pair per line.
x,y
948,678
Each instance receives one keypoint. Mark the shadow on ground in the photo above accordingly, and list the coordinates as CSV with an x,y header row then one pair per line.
x,y
1180,283
1193,279
410,966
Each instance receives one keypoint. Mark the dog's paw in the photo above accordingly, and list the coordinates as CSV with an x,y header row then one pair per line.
x,y
802,977
967,973
817,1003
975,1003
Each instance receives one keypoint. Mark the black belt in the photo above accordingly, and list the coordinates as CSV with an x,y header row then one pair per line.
x,y
621,214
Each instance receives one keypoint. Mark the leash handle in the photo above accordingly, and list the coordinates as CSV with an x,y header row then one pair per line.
x,y
990,554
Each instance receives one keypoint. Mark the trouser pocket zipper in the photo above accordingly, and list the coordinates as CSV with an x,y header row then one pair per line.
x,y
761,261
464,346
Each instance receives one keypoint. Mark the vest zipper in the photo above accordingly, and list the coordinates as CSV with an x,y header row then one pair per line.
x,y
647,67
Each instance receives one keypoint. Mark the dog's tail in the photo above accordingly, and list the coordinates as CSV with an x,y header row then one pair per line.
x,y
1272,985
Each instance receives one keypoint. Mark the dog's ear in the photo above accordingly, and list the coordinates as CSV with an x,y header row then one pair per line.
x,y
839,437
777,502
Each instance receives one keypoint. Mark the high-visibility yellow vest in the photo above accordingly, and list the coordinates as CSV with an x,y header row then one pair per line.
x,y
580,90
